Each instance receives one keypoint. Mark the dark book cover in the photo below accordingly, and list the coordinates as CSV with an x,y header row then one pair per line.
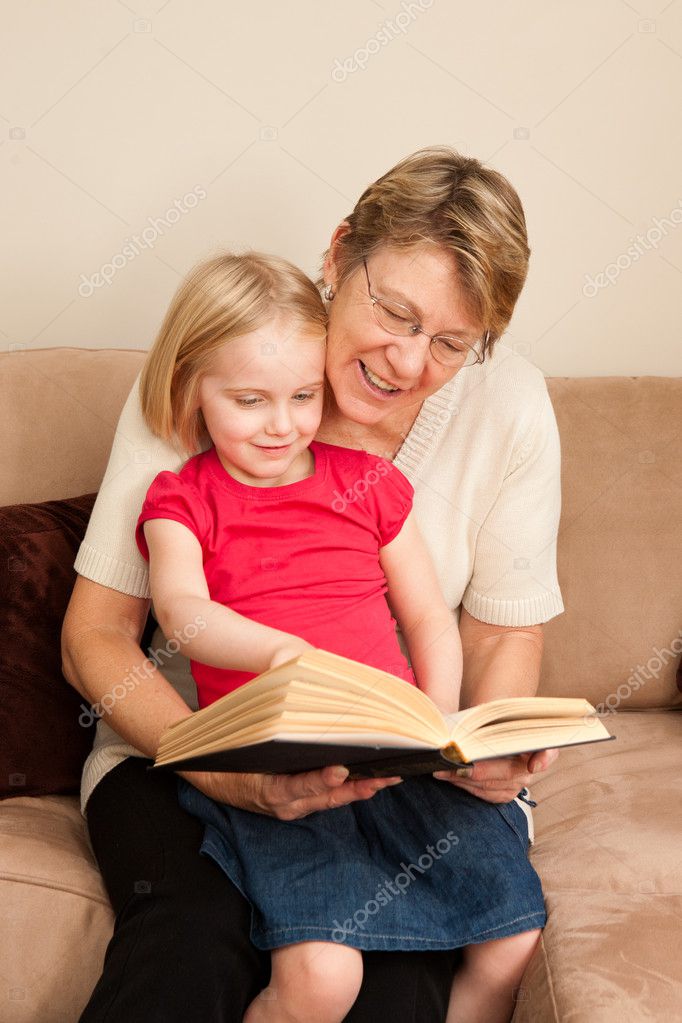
x,y
280,757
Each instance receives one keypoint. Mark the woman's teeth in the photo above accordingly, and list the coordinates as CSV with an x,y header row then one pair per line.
x,y
377,381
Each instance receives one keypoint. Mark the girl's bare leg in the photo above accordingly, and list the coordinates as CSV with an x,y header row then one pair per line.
x,y
311,982
484,986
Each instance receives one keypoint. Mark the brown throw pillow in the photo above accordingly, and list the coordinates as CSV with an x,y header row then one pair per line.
x,y
42,743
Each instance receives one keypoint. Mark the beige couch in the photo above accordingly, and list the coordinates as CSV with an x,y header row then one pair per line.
x,y
608,822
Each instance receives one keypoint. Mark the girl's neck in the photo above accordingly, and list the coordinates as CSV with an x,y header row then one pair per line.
x,y
303,467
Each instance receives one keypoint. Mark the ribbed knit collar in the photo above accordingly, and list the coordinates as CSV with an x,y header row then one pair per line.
x,y
434,416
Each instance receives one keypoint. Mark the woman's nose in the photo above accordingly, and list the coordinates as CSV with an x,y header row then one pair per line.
x,y
408,357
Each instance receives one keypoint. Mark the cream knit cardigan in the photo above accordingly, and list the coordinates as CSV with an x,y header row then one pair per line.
x,y
483,457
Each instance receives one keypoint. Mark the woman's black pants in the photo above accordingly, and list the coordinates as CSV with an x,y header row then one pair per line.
x,y
181,949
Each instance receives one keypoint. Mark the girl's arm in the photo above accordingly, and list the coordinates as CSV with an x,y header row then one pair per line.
x,y
100,648
429,627
181,598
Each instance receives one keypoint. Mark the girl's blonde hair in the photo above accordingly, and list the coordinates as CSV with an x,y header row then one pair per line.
x,y
221,299
438,195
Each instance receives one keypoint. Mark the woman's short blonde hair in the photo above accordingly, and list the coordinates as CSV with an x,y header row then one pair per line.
x,y
437,195
221,299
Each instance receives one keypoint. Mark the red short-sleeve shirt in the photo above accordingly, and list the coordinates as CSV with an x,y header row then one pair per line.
x,y
303,557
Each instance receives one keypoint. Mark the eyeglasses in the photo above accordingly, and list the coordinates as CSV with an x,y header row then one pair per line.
x,y
399,320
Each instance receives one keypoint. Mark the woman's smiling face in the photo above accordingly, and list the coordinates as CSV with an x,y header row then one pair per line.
x,y
425,279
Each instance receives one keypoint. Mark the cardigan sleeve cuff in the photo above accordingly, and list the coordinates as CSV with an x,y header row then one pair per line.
x,y
511,613
118,575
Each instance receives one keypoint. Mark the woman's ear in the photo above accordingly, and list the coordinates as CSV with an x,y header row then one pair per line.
x,y
329,267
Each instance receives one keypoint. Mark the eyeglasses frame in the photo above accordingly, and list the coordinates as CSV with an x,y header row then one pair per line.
x,y
414,322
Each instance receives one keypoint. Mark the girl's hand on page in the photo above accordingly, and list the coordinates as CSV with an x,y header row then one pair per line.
x,y
500,780
290,649
287,796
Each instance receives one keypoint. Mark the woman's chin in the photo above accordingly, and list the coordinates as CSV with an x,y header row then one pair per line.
x,y
359,410
353,403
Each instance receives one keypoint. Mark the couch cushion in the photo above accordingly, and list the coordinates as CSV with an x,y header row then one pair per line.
x,y
620,542
607,848
60,407
55,916
605,959
43,744
609,816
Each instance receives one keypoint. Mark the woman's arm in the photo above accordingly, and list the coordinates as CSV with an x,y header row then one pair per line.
x,y
181,596
498,662
100,648
429,627
522,523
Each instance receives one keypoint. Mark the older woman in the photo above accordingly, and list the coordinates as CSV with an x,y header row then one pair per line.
x,y
421,281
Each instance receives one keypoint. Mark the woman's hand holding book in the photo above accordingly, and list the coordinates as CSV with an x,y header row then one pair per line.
x,y
287,796
500,780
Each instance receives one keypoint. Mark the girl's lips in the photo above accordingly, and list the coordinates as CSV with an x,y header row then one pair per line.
x,y
375,391
274,450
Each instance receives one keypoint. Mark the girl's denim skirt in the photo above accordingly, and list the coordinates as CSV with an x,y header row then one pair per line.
x,y
421,865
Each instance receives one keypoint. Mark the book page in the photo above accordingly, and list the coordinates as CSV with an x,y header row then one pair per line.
x,y
517,708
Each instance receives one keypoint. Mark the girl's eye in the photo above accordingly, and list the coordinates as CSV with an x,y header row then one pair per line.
x,y
301,397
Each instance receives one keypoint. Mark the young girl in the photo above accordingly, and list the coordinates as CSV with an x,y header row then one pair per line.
x,y
277,542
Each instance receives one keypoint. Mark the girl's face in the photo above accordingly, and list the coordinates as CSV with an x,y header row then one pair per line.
x,y
261,399
425,279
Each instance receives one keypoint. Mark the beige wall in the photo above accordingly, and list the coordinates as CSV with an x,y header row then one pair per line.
x,y
258,123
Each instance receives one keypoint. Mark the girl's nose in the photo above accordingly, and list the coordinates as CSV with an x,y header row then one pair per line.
x,y
280,421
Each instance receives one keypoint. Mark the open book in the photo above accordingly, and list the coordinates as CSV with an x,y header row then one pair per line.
x,y
322,709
